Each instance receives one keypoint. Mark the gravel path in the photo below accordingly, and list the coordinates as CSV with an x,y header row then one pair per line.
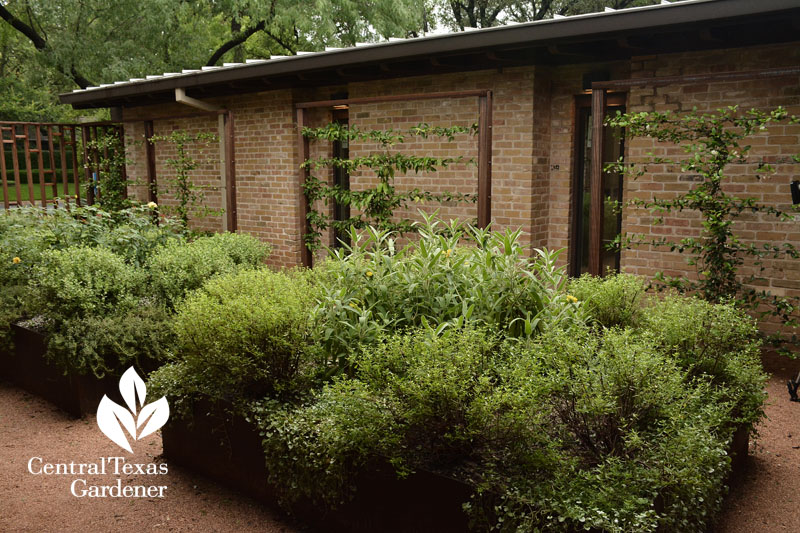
x,y
765,499
31,427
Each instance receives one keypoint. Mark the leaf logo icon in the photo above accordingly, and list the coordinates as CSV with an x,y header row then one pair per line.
x,y
112,418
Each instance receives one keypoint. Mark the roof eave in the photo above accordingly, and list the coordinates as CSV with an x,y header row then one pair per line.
x,y
571,29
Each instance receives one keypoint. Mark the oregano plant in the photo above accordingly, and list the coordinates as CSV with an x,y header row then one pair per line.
x,y
189,196
376,205
712,143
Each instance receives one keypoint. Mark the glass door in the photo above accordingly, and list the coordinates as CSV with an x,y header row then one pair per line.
x,y
581,186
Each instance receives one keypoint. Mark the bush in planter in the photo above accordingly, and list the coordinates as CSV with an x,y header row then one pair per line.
x,y
28,233
240,337
93,315
575,429
76,283
612,301
488,280
412,392
179,268
717,342
141,336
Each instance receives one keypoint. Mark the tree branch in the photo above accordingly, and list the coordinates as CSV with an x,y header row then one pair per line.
x,y
41,45
235,41
23,28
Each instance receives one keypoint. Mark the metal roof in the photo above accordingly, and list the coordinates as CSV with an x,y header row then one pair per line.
x,y
609,35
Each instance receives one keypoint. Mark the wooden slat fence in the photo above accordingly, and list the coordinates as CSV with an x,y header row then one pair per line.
x,y
46,163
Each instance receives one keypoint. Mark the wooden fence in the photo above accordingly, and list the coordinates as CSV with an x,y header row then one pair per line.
x,y
47,163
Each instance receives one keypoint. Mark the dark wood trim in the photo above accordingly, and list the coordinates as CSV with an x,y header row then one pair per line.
x,y
76,177
52,158
150,157
576,196
391,98
304,208
485,159
4,170
599,107
40,163
28,166
581,103
230,172
15,164
697,78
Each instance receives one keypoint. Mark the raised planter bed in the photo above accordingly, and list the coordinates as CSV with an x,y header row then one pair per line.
x,y
28,368
228,450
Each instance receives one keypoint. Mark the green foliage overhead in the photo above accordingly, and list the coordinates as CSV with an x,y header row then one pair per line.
x,y
57,45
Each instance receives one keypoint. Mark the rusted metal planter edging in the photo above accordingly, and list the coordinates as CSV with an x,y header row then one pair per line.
x,y
228,450
28,368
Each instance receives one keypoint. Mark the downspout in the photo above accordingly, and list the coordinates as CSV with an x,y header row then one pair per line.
x,y
181,98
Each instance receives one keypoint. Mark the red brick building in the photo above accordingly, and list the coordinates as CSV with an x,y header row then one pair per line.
x,y
538,82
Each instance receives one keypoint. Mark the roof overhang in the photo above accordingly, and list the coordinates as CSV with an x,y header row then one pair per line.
x,y
596,37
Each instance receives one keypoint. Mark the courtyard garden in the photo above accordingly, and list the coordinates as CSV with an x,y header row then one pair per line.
x,y
539,402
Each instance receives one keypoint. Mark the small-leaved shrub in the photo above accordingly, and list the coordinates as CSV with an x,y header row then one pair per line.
x,y
241,337
579,428
717,342
178,268
141,336
79,282
613,301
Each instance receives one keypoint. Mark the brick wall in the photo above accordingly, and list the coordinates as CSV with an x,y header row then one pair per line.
x,y
533,152
266,162
266,154
773,144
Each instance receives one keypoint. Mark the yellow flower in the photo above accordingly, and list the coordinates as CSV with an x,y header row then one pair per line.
x,y
353,305
369,273
152,205
16,260
571,299
448,252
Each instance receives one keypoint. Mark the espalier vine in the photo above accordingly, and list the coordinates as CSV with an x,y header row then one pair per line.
x,y
376,206
713,142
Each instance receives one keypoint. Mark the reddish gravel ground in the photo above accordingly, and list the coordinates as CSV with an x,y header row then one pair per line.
x,y
31,427
765,498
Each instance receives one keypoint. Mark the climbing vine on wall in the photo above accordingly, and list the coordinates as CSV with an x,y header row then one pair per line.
x,y
110,185
189,197
376,206
712,144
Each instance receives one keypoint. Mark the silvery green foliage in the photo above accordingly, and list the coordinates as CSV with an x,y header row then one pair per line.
x,y
452,276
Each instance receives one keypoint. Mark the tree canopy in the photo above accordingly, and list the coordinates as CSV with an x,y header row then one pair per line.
x,y
50,46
